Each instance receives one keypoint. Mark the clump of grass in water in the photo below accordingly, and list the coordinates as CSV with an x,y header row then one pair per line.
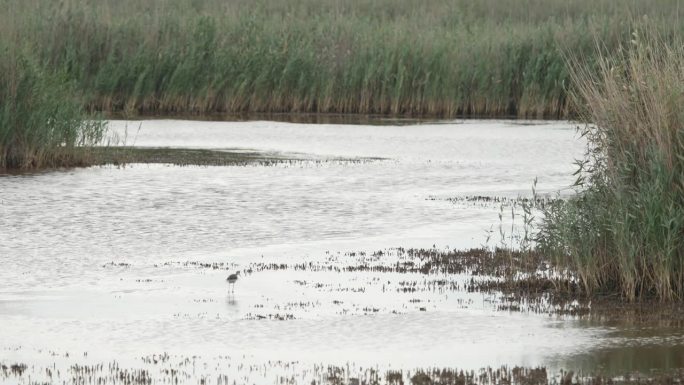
x,y
42,123
624,231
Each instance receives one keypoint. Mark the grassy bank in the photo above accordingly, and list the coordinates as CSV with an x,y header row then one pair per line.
x,y
624,232
439,57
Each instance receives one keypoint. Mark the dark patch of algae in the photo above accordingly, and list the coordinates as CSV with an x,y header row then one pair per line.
x,y
123,156
178,156
201,157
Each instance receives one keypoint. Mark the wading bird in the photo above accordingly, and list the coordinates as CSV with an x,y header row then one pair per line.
x,y
232,279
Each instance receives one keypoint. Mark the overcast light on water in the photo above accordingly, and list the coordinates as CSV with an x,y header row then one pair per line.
x,y
110,260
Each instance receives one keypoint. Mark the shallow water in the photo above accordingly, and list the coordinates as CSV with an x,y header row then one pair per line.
x,y
104,260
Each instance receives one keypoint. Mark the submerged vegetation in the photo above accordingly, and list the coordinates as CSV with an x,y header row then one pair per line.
x,y
624,231
164,368
439,57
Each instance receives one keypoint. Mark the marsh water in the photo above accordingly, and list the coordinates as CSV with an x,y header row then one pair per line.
x,y
127,262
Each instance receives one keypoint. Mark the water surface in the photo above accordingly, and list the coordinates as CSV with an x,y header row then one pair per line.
x,y
106,260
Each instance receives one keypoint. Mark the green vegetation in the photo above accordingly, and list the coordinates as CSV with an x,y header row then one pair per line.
x,y
624,232
437,57
41,120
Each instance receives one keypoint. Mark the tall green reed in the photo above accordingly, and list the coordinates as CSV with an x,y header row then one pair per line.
x,y
624,232
439,57
42,123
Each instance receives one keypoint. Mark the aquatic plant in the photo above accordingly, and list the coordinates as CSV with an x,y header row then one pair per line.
x,y
624,231
439,57
42,123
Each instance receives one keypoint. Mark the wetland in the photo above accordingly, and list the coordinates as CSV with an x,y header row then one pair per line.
x,y
321,220
368,253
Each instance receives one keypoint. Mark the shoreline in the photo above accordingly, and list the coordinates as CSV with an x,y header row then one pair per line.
x,y
120,156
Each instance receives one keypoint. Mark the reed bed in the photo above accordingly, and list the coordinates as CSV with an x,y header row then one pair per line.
x,y
624,232
439,57
42,120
